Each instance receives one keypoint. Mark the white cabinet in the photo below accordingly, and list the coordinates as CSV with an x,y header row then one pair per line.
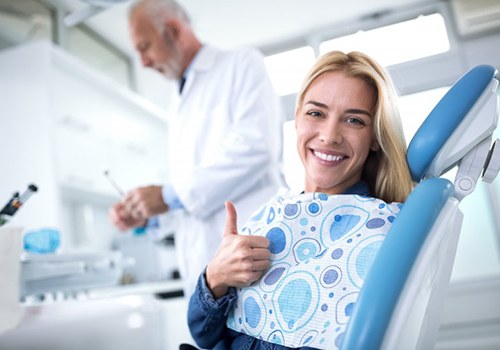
x,y
122,132
63,124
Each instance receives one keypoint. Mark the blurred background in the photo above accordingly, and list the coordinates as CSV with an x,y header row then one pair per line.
x,y
76,102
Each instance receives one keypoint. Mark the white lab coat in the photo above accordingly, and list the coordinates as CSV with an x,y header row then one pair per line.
x,y
225,143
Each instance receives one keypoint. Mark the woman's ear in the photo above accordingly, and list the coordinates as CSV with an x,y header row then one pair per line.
x,y
375,146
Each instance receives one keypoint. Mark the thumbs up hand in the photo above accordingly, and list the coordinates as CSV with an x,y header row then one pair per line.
x,y
231,219
239,261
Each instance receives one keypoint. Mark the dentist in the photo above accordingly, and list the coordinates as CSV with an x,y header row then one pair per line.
x,y
225,136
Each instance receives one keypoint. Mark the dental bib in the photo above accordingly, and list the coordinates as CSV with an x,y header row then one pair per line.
x,y
321,249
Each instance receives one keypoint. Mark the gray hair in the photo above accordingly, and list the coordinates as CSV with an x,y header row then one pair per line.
x,y
160,10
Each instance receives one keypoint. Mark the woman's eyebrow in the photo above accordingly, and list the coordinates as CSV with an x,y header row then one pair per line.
x,y
317,104
358,111
352,110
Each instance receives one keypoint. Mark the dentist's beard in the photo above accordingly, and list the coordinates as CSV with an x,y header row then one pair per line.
x,y
170,71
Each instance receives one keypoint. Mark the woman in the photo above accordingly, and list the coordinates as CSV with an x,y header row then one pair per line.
x,y
300,261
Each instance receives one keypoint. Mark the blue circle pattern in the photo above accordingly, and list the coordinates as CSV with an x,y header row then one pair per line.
x,y
337,253
271,279
277,240
313,208
305,249
330,276
287,305
252,310
297,288
292,210
274,275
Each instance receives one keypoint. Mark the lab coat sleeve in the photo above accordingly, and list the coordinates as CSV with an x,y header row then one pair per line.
x,y
170,197
251,148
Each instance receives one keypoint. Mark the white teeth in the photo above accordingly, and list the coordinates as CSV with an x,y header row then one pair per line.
x,y
328,157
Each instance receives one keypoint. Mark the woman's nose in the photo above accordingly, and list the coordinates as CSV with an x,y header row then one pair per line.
x,y
331,134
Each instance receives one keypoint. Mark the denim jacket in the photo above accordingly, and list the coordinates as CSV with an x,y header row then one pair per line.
x,y
207,322
207,316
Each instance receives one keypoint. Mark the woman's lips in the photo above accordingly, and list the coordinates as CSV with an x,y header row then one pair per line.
x,y
332,158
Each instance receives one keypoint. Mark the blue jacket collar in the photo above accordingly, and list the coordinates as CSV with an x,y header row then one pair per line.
x,y
360,188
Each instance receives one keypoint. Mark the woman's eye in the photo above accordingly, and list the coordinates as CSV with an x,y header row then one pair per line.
x,y
315,114
355,121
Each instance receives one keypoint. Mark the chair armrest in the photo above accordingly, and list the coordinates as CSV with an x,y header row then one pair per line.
x,y
393,263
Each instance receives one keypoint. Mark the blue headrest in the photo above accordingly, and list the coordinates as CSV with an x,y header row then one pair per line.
x,y
445,118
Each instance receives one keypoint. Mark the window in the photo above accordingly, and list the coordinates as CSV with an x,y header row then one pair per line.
x,y
88,46
477,253
24,21
397,43
287,69
414,108
29,20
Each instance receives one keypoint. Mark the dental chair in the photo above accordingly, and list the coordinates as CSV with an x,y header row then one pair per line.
x,y
400,303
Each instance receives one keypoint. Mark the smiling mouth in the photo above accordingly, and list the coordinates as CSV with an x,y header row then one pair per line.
x,y
328,157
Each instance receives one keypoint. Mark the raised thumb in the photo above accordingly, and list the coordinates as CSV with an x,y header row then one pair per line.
x,y
231,224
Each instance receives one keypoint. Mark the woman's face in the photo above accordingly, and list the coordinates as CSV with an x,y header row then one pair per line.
x,y
335,132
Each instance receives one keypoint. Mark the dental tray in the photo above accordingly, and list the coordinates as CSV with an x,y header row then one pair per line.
x,y
70,272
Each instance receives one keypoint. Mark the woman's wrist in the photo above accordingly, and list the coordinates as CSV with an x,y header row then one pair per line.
x,y
217,288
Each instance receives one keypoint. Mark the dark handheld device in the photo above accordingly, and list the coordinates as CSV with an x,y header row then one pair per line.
x,y
14,203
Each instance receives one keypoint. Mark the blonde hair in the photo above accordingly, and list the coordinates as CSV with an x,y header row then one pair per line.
x,y
385,170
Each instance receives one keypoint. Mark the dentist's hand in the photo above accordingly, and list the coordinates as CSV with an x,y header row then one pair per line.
x,y
145,202
122,219
137,206
239,261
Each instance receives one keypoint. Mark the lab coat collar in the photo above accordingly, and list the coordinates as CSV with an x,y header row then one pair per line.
x,y
204,59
